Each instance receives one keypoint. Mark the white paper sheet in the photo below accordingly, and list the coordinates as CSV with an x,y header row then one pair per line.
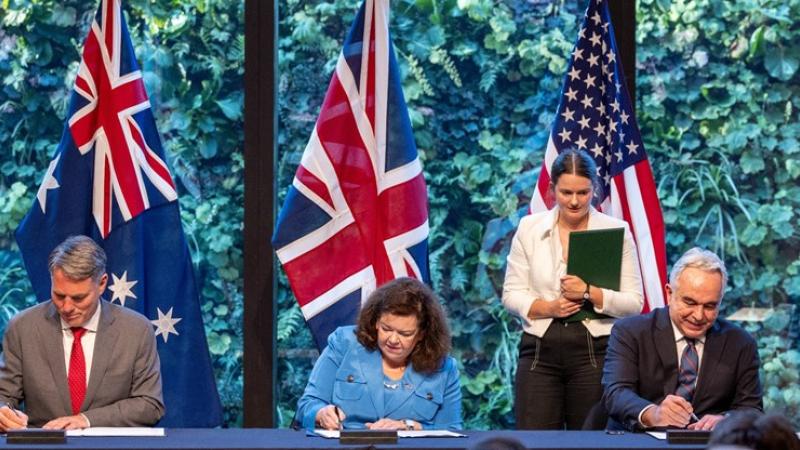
x,y
334,434
117,431
660,435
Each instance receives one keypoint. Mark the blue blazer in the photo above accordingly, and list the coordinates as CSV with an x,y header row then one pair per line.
x,y
351,377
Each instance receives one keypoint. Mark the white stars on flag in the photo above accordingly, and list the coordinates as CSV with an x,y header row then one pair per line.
x,y
564,135
165,324
571,94
49,182
121,288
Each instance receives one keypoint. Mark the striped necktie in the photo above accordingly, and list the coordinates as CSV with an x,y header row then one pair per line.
x,y
688,371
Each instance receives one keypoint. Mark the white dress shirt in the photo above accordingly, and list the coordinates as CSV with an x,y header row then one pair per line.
x,y
87,341
535,267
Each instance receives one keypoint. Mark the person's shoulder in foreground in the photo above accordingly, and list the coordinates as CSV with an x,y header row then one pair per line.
x,y
754,430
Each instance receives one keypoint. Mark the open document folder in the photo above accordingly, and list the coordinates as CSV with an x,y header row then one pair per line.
x,y
334,434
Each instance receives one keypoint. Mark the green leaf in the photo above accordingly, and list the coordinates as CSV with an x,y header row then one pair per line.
x,y
751,163
756,40
782,62
789,146
753,235
208,148
231,107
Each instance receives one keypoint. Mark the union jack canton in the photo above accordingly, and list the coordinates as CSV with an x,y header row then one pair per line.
x,y
356,213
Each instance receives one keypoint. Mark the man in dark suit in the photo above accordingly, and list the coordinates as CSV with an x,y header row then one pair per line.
x,y
681,365
76,361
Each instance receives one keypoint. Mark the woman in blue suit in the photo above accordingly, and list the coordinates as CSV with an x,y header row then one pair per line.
x,y
391,370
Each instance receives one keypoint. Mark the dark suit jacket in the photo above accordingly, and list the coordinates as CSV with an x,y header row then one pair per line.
x,y
124,386
641,368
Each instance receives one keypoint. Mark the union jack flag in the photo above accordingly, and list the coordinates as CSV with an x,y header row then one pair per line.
x,y
108,180
122,157
595,115
356,213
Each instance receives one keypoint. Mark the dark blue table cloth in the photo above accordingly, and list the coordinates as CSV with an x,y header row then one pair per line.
x,y
260,438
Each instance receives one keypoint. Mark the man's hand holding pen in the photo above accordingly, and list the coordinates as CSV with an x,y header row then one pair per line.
x,y
12,419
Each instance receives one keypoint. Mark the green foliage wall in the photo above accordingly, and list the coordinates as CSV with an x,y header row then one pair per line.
x,y
719,90
482,80
717,95
192,58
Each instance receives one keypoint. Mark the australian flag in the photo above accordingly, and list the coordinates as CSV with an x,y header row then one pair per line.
x,y
108,180
356,214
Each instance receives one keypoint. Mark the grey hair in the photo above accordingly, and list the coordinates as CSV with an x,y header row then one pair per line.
x,y
698,258
79,257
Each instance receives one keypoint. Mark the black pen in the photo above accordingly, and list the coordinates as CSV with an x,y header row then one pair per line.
x,y
338,417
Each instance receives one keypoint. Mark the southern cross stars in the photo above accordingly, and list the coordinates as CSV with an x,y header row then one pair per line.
x,y
49,182
121,288
165,324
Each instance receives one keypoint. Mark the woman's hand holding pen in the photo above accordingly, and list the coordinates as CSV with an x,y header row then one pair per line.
x,y
330,418
12,419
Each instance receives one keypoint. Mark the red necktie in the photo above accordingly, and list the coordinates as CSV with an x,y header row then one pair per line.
x,y
77,371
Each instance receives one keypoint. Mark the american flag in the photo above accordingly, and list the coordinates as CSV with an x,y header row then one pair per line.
x,y
356,213
108,180
595,115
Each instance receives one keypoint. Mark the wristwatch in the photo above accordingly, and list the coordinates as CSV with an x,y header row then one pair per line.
x,y
586,293
409,424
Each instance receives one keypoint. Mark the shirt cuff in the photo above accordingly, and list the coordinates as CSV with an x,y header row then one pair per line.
x,y
88,423
641,413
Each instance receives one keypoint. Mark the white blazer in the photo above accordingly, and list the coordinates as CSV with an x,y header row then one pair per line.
x,y
535,267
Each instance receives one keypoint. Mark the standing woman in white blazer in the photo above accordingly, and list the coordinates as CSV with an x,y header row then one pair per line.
x,y
566,321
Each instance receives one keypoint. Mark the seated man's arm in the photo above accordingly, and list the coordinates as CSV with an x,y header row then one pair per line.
x,y
621,379
11,382
748,395
748,384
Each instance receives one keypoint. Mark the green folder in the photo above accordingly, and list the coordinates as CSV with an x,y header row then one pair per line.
x,y
596,257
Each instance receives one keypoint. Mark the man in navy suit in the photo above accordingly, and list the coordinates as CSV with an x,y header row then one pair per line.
x,y
681,366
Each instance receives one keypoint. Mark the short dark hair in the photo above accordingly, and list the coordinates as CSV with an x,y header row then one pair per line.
x,y
79,257
408,297
755,430
575,162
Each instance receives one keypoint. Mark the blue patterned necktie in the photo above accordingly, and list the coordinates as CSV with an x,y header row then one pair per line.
x,y
688,371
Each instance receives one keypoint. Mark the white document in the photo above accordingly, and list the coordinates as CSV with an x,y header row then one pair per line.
x,y
334,434
428,433
118,431
660,435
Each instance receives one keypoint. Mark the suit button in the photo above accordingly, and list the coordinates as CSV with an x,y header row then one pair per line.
x,y
350,378
429,396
